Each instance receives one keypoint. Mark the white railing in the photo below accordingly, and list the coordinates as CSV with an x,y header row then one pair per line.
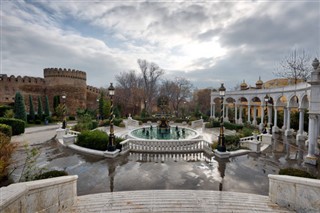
x,y
197,124
166,146
252,142
72,132
252,138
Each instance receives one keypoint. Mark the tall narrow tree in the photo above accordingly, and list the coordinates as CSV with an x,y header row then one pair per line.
x,y
56,102
46,107
19,107
31,109
40,109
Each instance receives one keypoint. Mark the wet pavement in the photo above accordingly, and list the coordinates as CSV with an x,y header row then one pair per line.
x,y
137,171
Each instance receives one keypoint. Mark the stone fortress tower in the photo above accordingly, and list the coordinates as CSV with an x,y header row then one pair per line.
x,y
56,82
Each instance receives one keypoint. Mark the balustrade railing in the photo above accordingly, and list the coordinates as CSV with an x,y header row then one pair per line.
x,y
165,146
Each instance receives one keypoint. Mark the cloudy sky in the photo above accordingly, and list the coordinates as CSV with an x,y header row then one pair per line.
x,y
207,42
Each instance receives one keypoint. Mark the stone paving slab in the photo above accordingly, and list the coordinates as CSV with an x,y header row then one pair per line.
x,y
175,201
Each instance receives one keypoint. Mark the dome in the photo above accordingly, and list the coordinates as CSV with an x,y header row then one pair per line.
x,y
259,82
243,85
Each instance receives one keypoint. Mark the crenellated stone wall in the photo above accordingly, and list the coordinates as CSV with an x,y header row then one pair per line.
x,y
56,82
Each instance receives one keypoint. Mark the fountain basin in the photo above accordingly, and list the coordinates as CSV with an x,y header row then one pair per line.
x,y
155,133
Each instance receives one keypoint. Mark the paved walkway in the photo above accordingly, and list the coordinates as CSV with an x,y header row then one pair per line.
x,y
175,201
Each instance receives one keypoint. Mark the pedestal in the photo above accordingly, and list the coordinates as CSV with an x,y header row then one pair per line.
x,y
221,154
60,133
267,139
112,154
69,139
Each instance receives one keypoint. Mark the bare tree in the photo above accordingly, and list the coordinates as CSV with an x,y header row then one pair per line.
x,y
295,66
177,91
201,98
129,92
151,73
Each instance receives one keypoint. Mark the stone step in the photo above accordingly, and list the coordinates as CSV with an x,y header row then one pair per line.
x,y
175,201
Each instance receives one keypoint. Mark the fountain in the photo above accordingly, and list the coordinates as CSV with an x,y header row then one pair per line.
x,y
163,130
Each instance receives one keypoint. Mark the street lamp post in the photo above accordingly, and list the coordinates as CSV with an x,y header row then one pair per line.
x,y
64,122
221,146
111,135
266,100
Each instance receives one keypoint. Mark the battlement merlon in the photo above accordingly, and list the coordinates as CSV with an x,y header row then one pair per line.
x,y
24,79
65,73
93,89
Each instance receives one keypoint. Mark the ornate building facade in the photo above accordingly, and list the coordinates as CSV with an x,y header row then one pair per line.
x,y
302,97
68,83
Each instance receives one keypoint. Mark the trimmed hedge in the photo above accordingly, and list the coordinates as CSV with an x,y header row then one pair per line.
x,y
3,109
6,129
232,139
93,140
295,172
97,140
51,174
17,125
232,126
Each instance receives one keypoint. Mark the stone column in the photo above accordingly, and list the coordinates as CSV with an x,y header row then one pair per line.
x,y
236,113
254,122
275,127
288,130
269,109
300,135
261,125
284,127
240,114
213,110
227,112
313,127
249,117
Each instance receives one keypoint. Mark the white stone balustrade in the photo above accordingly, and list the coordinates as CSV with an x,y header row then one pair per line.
x,y
296,193
167,146
49,195
252,142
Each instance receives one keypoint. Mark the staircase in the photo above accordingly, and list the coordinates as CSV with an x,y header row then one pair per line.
x,y
175,201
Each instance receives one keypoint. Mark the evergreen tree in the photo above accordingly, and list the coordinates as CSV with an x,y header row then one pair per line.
x,y
19,107
31,109
101,106
46,107
56,102
40,109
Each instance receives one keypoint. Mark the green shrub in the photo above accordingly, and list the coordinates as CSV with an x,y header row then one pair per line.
x,y
19,107
232,139
213,124
215,145
50,174
3,109
117,121
72,118
97,140
246,132
232,126
17,125
6,129
295,172
94,124
93,140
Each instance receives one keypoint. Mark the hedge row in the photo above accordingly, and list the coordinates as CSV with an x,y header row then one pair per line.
x,y
17,125
6,129
96,139
295,172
